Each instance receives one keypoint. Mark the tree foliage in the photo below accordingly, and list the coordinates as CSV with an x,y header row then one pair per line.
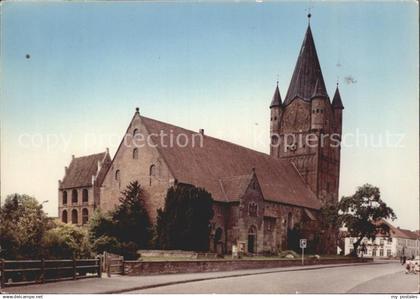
x,y
363,212
184,222
22,226
124,230
66,241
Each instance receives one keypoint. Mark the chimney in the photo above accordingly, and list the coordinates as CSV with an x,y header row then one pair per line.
x,y
107,150
72,157
201,131
66,169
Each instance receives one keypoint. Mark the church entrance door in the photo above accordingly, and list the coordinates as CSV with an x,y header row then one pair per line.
x,y
252,239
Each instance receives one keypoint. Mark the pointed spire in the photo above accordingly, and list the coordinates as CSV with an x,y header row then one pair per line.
x,y
337,103
307,77
276,102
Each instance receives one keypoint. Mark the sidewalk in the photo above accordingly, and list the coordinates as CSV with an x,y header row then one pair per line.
x,y
120,284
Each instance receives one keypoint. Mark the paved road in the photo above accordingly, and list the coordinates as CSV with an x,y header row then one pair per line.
x,y
356,278
373,278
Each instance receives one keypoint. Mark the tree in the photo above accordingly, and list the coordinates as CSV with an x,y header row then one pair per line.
x,y
184,223
131,217
363,214
124,230
66,241
329,225
22,226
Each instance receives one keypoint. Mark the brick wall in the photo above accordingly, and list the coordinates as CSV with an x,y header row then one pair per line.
x,y
149,268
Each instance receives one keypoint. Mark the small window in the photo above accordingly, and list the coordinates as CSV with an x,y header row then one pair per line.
x,y
152,173
85,195
290,223
118,177
85,216
74,198
252,209
135,153
317,110
64,216
275,117
135,132
64,197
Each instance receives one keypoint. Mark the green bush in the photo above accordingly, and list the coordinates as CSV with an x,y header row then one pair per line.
x,y
66,241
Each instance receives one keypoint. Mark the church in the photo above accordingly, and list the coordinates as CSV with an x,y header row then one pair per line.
x,y
259,199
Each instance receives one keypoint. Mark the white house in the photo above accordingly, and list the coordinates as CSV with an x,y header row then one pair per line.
x,y
401,242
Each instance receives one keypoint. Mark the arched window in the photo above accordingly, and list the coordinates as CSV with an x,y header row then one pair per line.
x,y
135,153
74,217
64,197
218,234
290,221
64,216
85,195
252,239
85,216
152,173
74,198
118,177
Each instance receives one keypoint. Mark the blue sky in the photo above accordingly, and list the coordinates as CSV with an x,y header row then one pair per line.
x,y
202,65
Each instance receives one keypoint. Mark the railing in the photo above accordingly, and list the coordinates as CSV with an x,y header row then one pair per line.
x,y
22,272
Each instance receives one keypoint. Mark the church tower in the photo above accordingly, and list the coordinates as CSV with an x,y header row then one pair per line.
x,y
306,128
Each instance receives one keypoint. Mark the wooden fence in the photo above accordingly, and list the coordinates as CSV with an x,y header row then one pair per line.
x,y
22,272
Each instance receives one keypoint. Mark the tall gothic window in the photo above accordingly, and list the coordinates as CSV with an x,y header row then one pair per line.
x,y
290,221
74,198
85,195
64,216
74,217
64,197
85,216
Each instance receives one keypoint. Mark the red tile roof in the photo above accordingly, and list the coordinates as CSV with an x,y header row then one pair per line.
x,y
81,170
235,187
220,160
398,232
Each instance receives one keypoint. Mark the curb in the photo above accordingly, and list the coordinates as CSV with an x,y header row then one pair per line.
x,y
157,285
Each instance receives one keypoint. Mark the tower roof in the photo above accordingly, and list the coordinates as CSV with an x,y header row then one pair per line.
x,y
307,78
276,97
337,103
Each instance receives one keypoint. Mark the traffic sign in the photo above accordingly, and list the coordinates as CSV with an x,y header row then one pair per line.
x,y
303,243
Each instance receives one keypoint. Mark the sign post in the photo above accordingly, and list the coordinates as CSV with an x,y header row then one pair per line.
x,y
303,246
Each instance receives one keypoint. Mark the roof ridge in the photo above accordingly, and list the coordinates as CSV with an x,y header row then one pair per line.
x,y
211,137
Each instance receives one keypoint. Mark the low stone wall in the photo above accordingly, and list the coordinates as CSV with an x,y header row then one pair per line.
x,y
168,267
176,253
